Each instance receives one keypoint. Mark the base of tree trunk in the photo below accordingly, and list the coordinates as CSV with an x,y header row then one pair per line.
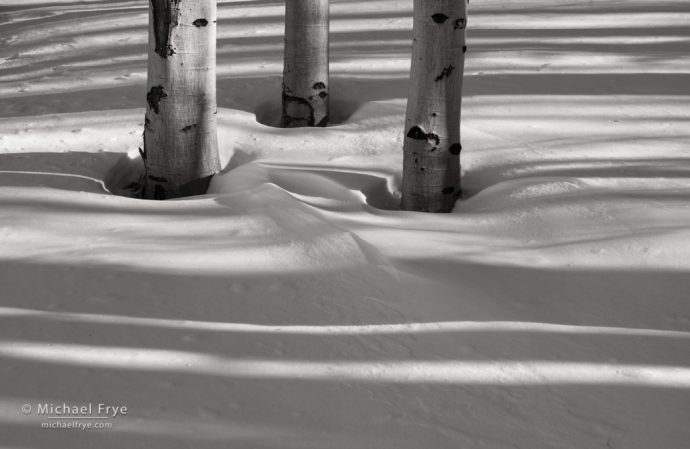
x,y
305,70
431,163
152,190
180,151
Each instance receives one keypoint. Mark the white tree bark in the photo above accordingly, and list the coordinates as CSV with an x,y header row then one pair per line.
x,y
180,137
431,163
305,70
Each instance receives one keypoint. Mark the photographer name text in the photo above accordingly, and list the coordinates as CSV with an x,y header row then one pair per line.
x,y
84,410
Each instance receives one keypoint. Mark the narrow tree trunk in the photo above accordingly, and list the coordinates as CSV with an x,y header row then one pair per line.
x,y
431,164
305,72
180,138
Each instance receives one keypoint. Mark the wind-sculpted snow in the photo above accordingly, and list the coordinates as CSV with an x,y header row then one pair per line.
x,y
295,305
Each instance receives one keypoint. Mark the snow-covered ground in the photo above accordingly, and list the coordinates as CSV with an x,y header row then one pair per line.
x,y
293,306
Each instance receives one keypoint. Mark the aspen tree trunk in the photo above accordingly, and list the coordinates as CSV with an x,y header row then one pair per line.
x,y
180,138
431,163
305,72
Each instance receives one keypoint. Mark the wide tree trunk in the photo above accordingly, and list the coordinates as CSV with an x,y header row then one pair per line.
x,y
305,72
180,137
431,164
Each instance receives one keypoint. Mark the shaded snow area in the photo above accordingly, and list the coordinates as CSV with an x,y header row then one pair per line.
x,y
294,306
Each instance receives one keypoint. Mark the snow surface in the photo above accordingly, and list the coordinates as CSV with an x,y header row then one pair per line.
x,y
293,306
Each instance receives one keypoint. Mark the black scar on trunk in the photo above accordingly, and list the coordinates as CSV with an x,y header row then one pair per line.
x,y
455,149
164,20
439,17
417,133
323,123
445,73
154,97
158,192
157,178
289,100
200,23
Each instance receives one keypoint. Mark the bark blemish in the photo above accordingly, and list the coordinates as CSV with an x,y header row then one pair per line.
x,y
154,97
297,112
157,178
142,153
455,149
200,23
440,18
323,94
464,49
323,123
417,133
158,192
319,86
147,124
188,128
165,14
459,24
447,71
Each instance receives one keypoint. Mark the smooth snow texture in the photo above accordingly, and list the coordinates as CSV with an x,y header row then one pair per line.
x,y
294,306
